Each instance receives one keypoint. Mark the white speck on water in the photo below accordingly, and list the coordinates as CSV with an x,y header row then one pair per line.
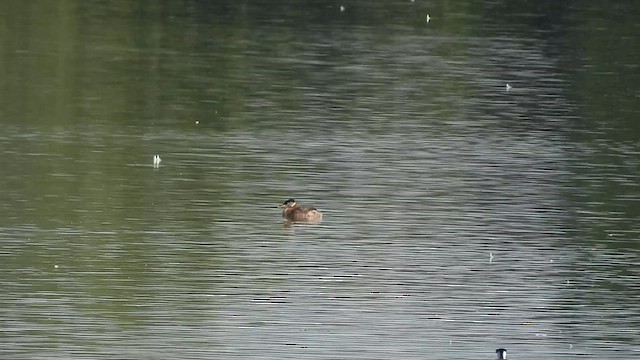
x,y
342,8
156,160
55,266
490,257
428,18
197,122
570,346
508,87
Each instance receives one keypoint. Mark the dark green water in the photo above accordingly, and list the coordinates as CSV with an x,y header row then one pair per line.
x,y
459,215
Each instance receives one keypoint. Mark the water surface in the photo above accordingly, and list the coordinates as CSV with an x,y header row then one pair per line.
x,y
459,216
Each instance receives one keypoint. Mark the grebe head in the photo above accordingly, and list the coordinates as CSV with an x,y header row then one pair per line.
x,y
288,203
502,354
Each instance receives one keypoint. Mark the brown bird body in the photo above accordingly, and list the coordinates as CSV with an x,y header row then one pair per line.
x,y
292,211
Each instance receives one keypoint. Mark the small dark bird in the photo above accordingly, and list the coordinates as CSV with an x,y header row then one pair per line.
x,y
502,354
294,212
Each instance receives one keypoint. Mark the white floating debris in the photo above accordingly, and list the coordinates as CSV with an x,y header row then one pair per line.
x,y
508,87
428,18
490,257
342,8
197,122
156,160
55,266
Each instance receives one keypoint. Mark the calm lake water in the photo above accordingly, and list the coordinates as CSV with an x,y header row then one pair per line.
x,y
460,214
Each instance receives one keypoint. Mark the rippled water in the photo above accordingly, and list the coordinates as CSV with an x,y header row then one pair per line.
x,y
459,216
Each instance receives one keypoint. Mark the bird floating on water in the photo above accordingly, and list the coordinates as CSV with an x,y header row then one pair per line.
x,y
428,18
156,160
293,212
502,354
508,87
